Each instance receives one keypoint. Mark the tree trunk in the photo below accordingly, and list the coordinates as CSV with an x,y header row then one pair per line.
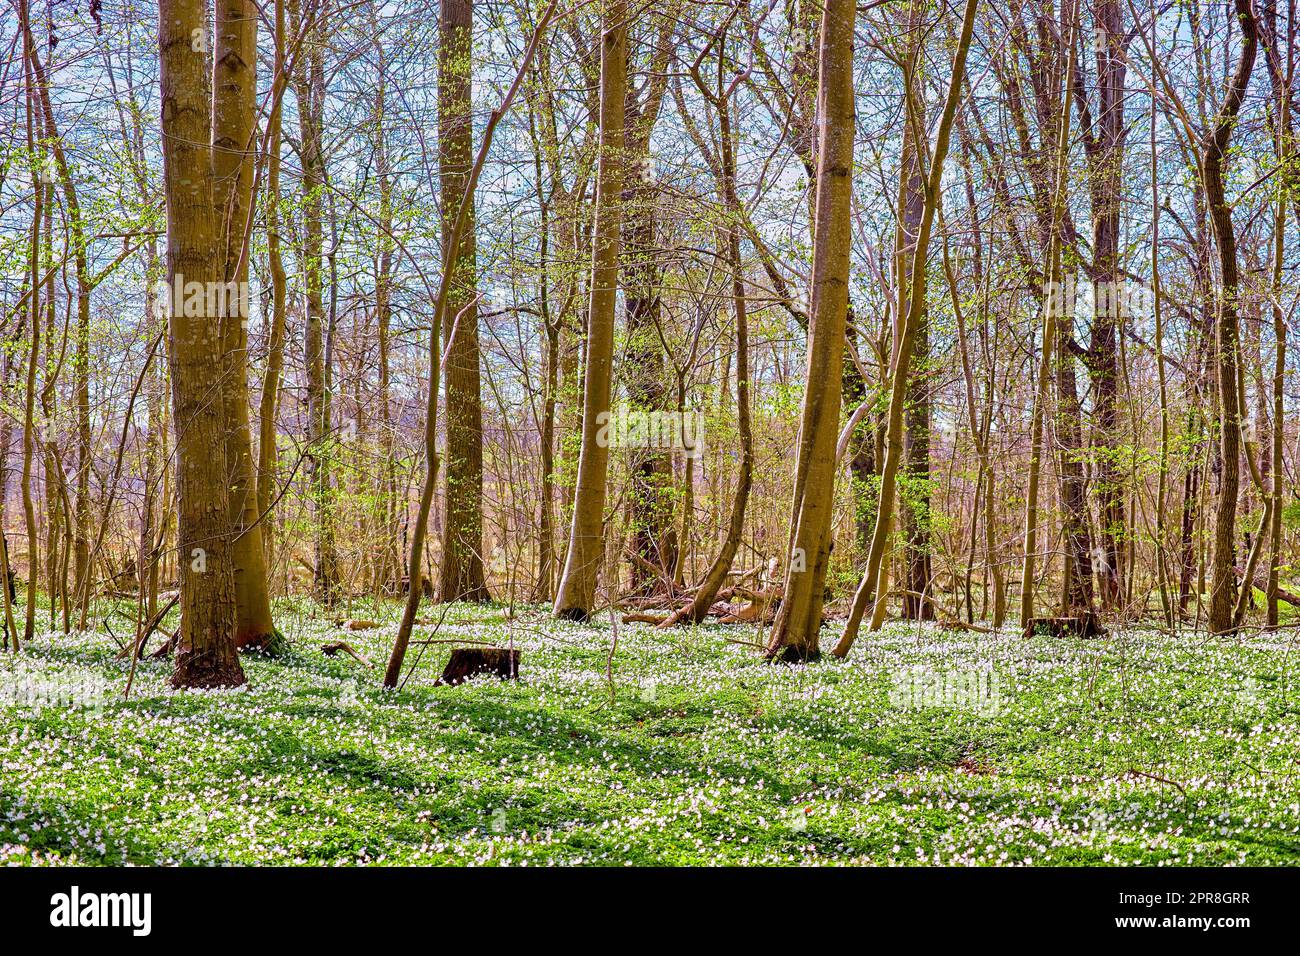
x,y
234,65
916,416
577,592
874,586
650,491
310,92
1105,146
1053,301
418,534
388,572
698,609
206,655
798,623
461,571
34,319
1076,578
270,397
1223,587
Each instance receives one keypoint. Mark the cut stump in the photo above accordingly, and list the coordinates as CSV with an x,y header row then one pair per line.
x,y
1085,625
465,662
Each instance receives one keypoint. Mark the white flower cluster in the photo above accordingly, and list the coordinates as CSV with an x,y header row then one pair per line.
x,y
25,687
918,687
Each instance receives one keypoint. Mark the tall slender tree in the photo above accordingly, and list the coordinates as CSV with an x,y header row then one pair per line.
x,y
916,416
576,597
798,623
461,571
234,66
309,90
1214,154
874,586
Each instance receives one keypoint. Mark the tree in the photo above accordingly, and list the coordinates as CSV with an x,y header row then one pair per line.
x,y
798,623
449,269
1214,151
461,572
654,543
206,655
1054,300
271,379
1103,138
916,425
724,168
874,585
234,65
576,597
309,89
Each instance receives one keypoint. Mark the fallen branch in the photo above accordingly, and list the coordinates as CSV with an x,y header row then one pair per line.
x,y
329,650
964,626
643,619
152,625
1133,771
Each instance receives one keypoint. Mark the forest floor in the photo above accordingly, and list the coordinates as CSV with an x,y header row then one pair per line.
x,y
923,747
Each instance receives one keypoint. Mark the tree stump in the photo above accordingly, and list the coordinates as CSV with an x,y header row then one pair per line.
x,y
1085,625
426,586
465,662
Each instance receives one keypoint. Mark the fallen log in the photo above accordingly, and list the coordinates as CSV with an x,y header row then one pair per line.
x,y
167,647
765,602
647,601
1283,595
956,625
356,625
764,605
1287,597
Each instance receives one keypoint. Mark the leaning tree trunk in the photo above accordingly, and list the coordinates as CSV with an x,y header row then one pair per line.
x,y
874,586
